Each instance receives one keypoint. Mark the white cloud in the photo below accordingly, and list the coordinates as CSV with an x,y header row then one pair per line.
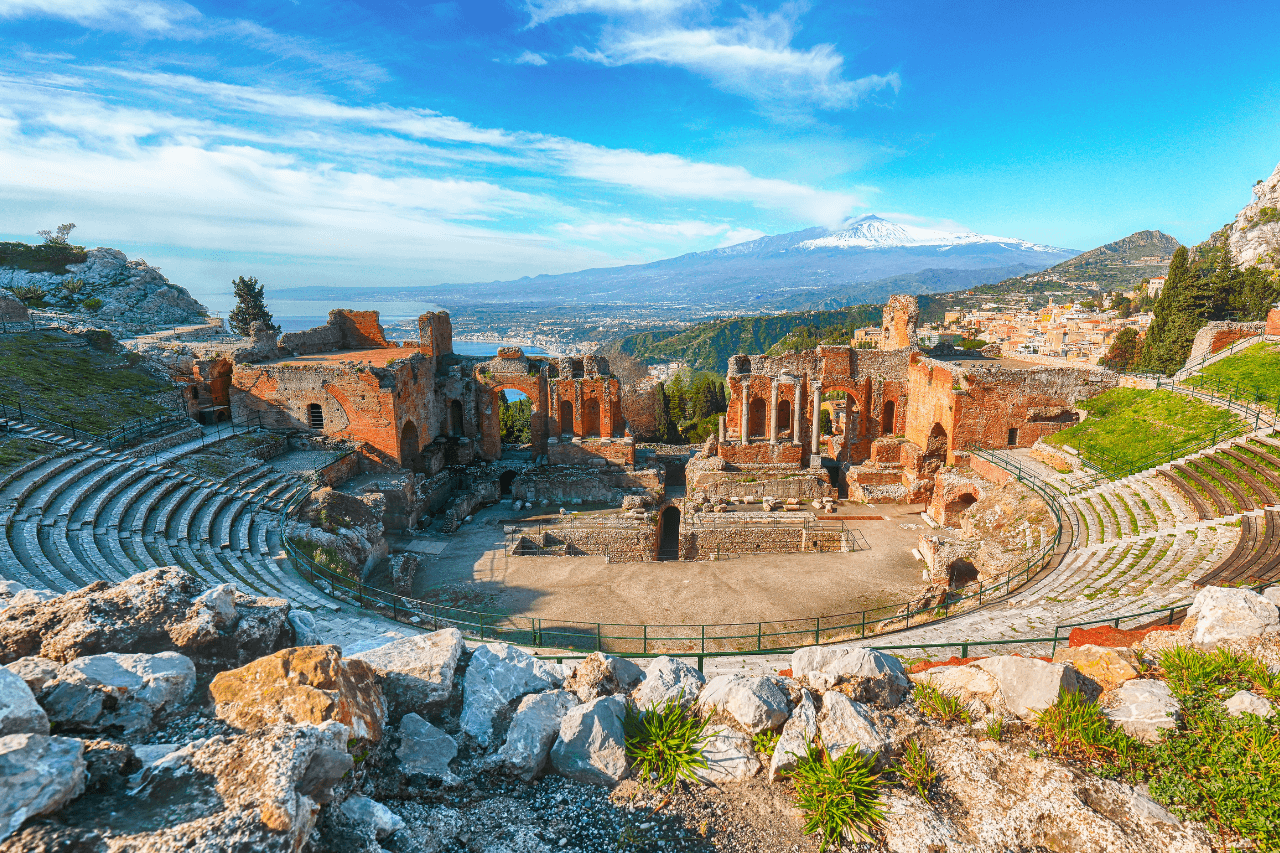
x,y
740,235
530,58
633,229
541,11
153,16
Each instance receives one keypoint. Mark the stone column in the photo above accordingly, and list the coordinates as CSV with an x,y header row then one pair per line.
x,y
722,429
773,413
795,413
745,407
816,432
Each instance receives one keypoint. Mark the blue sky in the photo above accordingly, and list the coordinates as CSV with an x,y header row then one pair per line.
x,y
414,143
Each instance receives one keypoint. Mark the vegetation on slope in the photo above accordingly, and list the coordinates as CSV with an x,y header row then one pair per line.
x,y
1114,266
92,390
1255,371
49,257
709,346
1126,425
16,452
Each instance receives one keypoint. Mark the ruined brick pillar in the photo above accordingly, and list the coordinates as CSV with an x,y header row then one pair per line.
x,y
721,435
815,431
773,413
795,413
744,407
435,334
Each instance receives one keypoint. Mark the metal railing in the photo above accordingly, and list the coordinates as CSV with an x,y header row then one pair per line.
x,y
1242,344
679,639
11,408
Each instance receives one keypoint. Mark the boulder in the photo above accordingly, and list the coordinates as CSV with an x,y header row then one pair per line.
x,y
1145,708
380,819
1272,594
591,747
151,612
533,730
38,775
1028,685
729,755
865,675
1107,666
35,671
497,675
311,684
976,688
757,703
417,672
29,596
845,724
603,675
1221,613
304,628
1243,702
668,680
19,712
797,735
258,791
118,692
424,749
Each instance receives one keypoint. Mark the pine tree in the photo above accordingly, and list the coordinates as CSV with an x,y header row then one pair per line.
x,y
1124,351
1168,342
722,403
251,307
661,414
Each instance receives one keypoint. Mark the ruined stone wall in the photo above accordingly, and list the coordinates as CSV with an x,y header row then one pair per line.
x,y
585,405
990,471
899,322
728,485
435,334
703,543
639,404
465,503
632,542
1273,323
359,329
511,368
762,453
1217,336
588,452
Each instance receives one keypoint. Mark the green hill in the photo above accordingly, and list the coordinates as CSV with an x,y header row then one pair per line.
x,y
709,345
1120,265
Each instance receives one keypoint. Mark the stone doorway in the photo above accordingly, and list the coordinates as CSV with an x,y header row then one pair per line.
x,y
410,447
504,482
669,534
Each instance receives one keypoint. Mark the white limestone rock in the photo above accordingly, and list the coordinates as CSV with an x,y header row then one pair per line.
x,y
845,724
976,688
1272,594
1243,702
220,601
797,735
668,680
497,675
872,675
38,775
729,755
417,671
373,814
534,729
19,712
304,628
101,692
1027,685
35,671
756,702
599,674
425,749
1221,613
591,747
1145,708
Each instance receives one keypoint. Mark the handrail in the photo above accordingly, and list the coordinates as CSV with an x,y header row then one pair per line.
x,y
1243,343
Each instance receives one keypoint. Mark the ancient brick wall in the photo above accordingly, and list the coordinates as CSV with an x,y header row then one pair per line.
x,y
588,452
585,405
762,453
1273,323
990,471
898,325
703,543
630,543
435,334
465,503
639,405
1217,336
511,368
359,329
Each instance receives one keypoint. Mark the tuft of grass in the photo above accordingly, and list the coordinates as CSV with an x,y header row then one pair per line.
x,y
1074,727
765,742
995,730
841,798
664,743
1190,672
941,706
915,770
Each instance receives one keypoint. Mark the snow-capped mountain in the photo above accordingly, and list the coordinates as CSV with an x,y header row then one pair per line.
x,y
874,232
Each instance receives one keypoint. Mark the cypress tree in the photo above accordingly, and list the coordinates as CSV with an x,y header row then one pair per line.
x,y
661,415
1167,343
251,307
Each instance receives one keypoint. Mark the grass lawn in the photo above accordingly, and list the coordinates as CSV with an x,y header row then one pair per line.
x,y
1129,425
92,390
1256,367
16,452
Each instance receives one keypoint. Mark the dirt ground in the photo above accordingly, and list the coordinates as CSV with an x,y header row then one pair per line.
x,y
473,570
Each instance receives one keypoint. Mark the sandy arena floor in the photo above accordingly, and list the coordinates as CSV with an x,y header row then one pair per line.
x,y
473,570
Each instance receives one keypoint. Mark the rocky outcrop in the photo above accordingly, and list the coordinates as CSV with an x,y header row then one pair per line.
x,y
668,680
117,692
160,610
1254,236
497,675
603,675
1144,708
19,713
591,747
425,750
416,672
131,291
755,703
313,684
38,775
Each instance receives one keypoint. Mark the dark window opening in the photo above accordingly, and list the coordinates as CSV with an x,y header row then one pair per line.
x,y
315,416
1013,437
504,482
886,425
669,534
455,418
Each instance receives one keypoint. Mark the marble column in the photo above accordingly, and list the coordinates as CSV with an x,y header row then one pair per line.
x,y
816,431
746,409
795,413
773,413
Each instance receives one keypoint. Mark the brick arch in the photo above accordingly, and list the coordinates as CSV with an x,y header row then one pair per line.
x,y
532,385
410,447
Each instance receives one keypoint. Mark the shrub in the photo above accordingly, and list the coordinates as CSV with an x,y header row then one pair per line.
x,y
915,769
995,729
941,706
664,744
765,742
31,295
1076,728
840,798
93,303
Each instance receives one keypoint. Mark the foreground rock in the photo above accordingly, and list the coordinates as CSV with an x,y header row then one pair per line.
x,y
118,692
534,729
38,775
797,735
19,712
729,755
417,672
668,680
864,675
425,750
1144,708
1108,667
1219,614
497,675
845,724
155,611
312,684
603,675
757,703
591,746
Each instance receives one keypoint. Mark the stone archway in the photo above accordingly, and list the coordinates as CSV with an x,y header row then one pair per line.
x,y
758,419
935,451
954,508
669,533
410,447
590,418
504,481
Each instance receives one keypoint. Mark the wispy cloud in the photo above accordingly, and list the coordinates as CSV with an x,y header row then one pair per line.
x,y
752,55
530,58
154,16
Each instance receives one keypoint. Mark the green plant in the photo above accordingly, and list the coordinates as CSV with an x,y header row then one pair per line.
x,y
914,768
664,743
93,303
765,742
940,705
840,798
995,729
73,286
1076,728
1190,671
30,295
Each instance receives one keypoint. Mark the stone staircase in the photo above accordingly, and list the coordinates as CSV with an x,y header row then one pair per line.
x,y
88,514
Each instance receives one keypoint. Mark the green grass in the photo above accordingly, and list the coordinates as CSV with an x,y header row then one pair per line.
x,y
1257,367
840,799
1075,728
16,452
939,705
915,770
664,743
86,388
1127,425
